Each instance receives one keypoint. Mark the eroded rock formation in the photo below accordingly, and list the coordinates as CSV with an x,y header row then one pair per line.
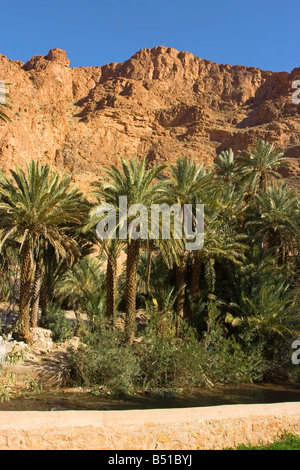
x,y
160,103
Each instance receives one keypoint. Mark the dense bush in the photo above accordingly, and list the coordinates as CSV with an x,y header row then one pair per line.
x,y
104,360
225,359
160,360
55,320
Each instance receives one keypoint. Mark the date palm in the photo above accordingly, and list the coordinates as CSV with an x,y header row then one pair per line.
x,y
276,221
38,207
111,248
226,166
83,285
53,268
268,309
138,184
223,244
36,290
188,182
260,165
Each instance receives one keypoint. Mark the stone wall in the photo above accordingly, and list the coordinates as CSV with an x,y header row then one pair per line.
x,y
186,428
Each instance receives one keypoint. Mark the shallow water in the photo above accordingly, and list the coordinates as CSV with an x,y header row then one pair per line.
x,y
79,400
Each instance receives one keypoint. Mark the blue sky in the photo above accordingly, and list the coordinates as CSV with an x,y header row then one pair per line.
x,y
259,33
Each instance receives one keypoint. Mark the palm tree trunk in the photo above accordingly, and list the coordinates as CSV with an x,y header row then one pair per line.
x,y
130,300
25,293
45,297
194,285
148,273
111,282
180,271
43,301
195,277
36,294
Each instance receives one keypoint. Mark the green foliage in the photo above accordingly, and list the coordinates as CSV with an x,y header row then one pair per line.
x,y
104,360
55,320
263,300
225,313
83,287
168,361
287,441
225,361
259,166
161,360
226,166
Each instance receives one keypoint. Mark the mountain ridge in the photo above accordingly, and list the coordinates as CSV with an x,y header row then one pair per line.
x,y
160,103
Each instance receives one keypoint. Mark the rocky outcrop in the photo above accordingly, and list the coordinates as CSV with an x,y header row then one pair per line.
x,y
161,103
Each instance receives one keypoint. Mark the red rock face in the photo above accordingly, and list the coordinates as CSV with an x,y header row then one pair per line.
x,y
160,103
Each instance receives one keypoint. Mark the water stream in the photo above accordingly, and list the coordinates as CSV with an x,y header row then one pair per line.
x,y
69,399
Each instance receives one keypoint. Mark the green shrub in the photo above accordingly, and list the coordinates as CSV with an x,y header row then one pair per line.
x,y
55,320
104,360
175,364
168,361
160,359
225,361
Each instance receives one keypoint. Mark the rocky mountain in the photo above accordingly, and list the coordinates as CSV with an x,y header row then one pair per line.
x,y
160,103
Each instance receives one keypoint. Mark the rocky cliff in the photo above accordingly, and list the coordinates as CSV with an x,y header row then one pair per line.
x,y
160,103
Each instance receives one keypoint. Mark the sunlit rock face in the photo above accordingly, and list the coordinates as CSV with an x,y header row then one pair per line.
x,y
161,103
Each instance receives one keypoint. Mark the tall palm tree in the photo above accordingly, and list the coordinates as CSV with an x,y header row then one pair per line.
x,y
276,221
111,248
138,184
259,166
37,207
36,290
188,182
224,239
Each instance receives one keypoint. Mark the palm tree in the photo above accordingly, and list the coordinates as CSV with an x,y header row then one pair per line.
x,y
226,166
83,285
37,283
224,240
259,166
112,250
38,207
267,309
53,267
188,182
276,221
223,245
137,183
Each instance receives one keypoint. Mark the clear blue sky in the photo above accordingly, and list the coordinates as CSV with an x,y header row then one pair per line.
x,y
260,33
